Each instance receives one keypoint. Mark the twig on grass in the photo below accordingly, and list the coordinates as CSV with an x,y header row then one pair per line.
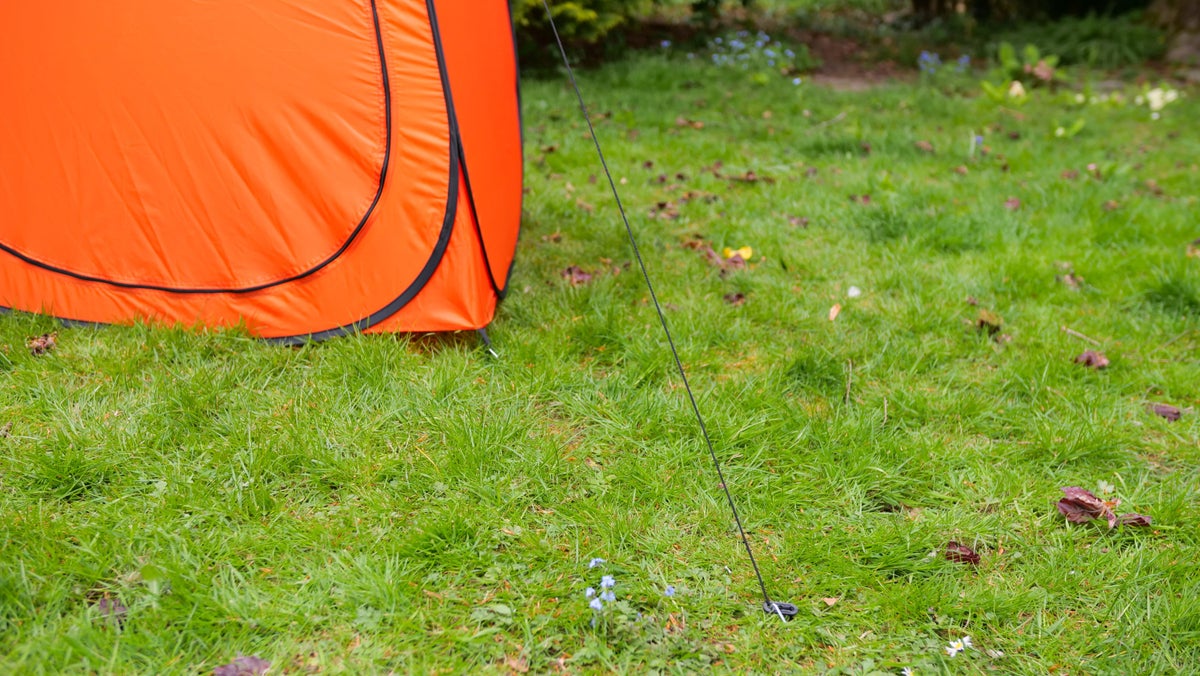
x,y
833,120
1076,334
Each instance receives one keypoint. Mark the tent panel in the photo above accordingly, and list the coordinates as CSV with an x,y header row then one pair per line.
x,y
459,295
384,262
480,56
189,145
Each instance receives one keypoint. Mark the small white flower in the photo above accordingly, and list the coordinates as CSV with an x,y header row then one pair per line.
x,y
1157,98
1079,98
955,648
854,292
995,654
1105,487
966,641
1016,90
907,671
1155,116
1171,95
1060,132
1139,100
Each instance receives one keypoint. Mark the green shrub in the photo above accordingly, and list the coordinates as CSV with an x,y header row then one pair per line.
x,y
581,23
1096,41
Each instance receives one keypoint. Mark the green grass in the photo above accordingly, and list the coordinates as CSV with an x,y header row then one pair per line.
x,y
411,504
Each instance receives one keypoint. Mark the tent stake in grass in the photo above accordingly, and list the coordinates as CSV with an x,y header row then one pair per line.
x,y
780,608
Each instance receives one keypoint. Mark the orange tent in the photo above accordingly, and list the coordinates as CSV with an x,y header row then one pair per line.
x,y
305,167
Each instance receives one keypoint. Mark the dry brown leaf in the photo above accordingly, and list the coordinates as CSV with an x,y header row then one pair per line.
x,y
830,600
40,345
835,311
1092,359
1171,413
924,146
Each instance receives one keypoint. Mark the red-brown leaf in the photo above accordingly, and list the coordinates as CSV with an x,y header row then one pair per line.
x,y
40,345
1092,359
960,553
1171,413
576,275
735,299
1132,519
1081,506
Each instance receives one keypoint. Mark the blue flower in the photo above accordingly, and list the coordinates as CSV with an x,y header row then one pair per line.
x,y
595,562
665,44
591,591
607,582
609,596
964,62
670,591
596,604
796,81
978,140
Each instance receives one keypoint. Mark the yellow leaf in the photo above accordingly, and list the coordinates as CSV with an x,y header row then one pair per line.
x,y
833,312
745,252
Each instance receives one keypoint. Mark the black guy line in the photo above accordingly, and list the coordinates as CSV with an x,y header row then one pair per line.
x,y
768,605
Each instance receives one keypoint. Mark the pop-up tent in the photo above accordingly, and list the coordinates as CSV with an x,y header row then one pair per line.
x,y
305,167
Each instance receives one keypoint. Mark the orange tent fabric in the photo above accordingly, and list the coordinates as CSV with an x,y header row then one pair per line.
x,y
305,167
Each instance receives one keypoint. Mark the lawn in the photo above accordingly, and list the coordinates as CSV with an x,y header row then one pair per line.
x,y
893,369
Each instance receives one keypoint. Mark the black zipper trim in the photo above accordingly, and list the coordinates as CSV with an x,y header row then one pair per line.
x,y
439,250
387,102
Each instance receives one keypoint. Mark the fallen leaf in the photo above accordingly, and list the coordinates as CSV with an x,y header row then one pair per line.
x,y
1081,506
516,664
1012,204
576,275
834,312
1070,174
972,300
648,164
735,299
961,170
6,430
685,122
924,146
1070,279
112,609
751,177
988,321
1112,205
40,345
242,665
1153,186
1171,413
1092,359
960,553
553,238
1132,519
865,147
798,221
745,252
1193,249
830,600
